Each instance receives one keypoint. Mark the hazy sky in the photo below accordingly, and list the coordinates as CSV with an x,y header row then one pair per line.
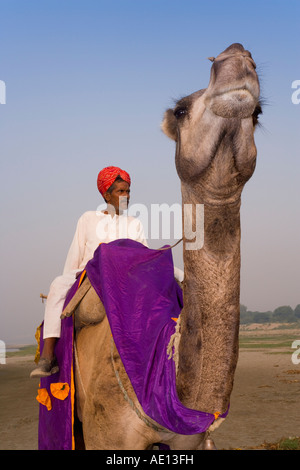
x,y
87,83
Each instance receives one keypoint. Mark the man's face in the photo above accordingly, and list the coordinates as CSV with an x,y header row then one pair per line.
x,y
119,196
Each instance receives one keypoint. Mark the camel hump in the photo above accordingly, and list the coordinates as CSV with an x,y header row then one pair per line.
x,y
85,305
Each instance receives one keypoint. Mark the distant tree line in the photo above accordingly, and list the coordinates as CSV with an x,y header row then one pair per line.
x,y
284,314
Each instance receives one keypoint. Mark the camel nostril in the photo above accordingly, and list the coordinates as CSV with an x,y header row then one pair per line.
x,y
252,62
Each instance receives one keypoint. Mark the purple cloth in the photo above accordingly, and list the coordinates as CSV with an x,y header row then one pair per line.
x,y
56,426
137,288
141,296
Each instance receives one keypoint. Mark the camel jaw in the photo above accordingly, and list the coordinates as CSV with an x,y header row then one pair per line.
x,y
237,103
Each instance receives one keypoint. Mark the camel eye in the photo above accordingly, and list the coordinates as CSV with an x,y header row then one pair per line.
x,y
257,112
180,112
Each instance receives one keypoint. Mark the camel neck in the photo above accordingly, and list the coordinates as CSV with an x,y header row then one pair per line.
x,y
210,319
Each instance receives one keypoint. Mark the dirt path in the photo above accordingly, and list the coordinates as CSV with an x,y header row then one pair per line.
x,y
265,403
18,406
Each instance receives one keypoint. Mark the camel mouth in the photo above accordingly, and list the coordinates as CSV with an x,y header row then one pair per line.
x,y
242,89
235,102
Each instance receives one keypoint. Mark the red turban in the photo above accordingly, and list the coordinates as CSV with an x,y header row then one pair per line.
x,y
107,177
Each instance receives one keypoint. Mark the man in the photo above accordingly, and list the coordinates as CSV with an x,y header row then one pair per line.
x,y
93,228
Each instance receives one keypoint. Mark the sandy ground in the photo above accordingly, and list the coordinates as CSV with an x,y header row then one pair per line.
x,y
265,403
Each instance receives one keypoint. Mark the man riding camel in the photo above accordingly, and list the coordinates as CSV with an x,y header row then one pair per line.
x,y
93,228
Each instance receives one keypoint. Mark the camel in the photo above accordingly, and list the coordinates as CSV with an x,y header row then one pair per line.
x,y
213,130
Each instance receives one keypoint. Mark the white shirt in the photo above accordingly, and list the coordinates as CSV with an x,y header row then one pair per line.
x,y
95,227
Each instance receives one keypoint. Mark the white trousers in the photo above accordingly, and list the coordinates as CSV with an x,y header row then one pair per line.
x,y
55,302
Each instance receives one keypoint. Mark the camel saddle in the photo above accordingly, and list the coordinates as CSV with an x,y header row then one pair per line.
x,y
85,305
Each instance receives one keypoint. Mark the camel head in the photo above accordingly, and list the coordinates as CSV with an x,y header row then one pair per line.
x,y
214,128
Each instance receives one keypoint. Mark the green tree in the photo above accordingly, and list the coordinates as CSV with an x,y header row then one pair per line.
x,y
284,314
245,318
243,309
297,312
262,317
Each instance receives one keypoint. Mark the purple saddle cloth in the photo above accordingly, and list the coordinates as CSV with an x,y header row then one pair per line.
x,y
142,298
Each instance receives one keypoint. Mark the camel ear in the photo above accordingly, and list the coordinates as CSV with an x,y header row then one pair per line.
x,y
169,125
